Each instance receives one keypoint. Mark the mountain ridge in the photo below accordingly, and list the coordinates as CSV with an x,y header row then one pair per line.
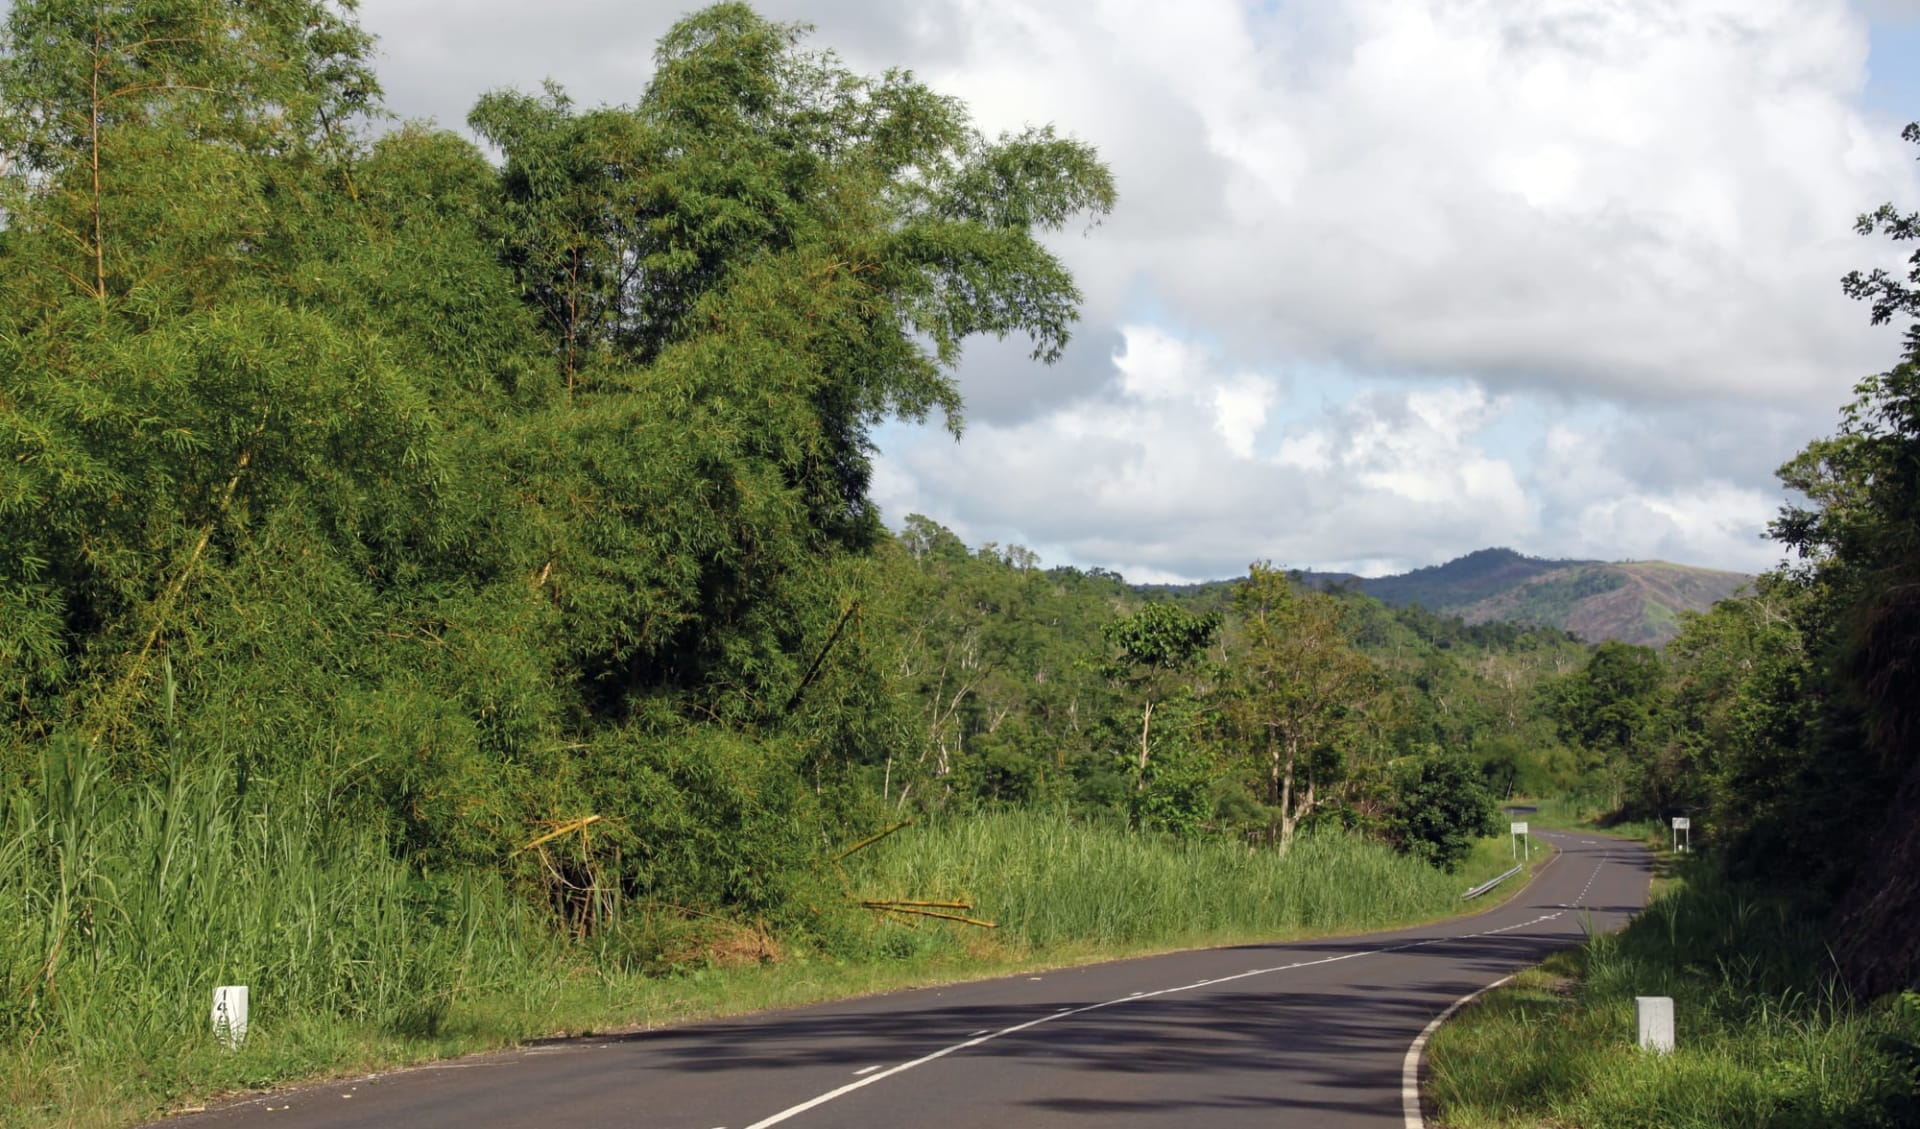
x,y
1637,602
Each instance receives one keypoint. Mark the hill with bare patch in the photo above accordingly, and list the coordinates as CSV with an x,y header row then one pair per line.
x,y
1630,601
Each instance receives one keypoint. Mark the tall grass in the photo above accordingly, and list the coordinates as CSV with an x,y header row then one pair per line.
x,y
122,906
1047,880
1765,1036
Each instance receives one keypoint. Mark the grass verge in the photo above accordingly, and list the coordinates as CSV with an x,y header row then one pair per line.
x,y
1765,1037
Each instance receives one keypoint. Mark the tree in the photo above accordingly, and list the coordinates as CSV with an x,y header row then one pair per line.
x,y
1298,692
1612,710
1440,806
750,166
1745,700
567,220
762,258
1155,646
177,175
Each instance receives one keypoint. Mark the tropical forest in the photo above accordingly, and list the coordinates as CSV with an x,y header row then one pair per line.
x,y
442,588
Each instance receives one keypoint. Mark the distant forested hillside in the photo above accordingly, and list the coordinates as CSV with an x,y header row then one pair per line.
x,y
1629,601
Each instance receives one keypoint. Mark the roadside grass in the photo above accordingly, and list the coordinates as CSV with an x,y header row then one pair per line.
x,y
1048,881
1765,1036
122,906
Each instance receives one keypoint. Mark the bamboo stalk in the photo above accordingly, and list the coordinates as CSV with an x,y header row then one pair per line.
x,y
938,914
567,828
819,659
885,903
872,839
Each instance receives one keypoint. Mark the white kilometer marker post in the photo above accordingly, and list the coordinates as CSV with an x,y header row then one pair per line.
x,y
230,1015
1656,1023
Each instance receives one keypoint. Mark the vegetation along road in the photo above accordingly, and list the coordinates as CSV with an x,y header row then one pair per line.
x,y
1316,1031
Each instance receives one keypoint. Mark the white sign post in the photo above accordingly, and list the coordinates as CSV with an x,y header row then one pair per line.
x,y
230,1015
1682,823
1520,836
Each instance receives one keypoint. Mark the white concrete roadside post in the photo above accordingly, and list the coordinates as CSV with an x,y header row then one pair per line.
x,y
1682,823
230,1015
1656,1023
1519,830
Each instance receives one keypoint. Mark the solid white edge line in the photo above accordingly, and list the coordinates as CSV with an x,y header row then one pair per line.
x,y
1410,1067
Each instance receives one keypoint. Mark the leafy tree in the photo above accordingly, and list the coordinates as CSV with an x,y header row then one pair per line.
x,y
1299,693
1745,694
569,220
157,136
1612,709
166,391
1154,647
293,470
1440,806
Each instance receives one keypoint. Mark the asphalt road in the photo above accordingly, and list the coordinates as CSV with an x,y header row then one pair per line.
x,y
1309,1033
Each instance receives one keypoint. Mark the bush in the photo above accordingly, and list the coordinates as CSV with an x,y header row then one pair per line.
x,y
1440,806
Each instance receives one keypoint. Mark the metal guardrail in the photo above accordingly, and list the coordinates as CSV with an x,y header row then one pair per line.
x,y
1490,883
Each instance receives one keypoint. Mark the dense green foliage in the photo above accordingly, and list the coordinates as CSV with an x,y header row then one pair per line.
x,y
1032,686
1440,808
309,479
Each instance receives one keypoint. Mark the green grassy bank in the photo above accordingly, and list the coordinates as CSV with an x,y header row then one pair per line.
x,y
122,907
1765,1037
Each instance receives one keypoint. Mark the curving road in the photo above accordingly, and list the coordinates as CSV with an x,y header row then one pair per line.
x,y
1309,1033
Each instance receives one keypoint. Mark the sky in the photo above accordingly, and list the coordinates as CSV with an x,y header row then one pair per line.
x,y
1388,281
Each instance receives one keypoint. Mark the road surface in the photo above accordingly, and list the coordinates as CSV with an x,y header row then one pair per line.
x,y
1311,1033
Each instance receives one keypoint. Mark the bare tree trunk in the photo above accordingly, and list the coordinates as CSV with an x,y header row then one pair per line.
x,y
1146,719
1287,818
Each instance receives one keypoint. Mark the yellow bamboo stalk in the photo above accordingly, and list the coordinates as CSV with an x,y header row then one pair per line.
x,y
567,828
882,903
938,914
872,839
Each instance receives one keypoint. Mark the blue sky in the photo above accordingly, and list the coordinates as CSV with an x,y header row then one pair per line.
x,y
1893,68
